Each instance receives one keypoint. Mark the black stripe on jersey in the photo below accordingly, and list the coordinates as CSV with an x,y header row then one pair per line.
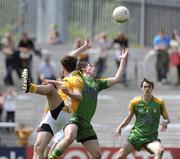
x,y
56,111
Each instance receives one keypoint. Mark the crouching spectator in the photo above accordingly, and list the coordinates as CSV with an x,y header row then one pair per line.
x,y
23,134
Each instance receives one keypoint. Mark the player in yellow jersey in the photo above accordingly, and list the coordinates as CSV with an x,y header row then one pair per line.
x,y
67,98
148,110
49,125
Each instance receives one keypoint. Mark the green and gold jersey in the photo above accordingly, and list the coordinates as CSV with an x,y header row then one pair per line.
x,y
87,105
72,82
147,116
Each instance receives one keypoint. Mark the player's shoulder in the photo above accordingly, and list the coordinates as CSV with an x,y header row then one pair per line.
x,y
74,76
158,100
136,100
76,79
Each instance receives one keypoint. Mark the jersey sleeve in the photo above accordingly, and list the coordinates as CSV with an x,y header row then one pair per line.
x,y
164,110
102,84
133,103
131,106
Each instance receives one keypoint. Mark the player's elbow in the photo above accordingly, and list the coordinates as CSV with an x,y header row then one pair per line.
x,y
113,82
117,80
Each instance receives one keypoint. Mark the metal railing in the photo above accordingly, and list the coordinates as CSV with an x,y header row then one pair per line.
x,y
89,17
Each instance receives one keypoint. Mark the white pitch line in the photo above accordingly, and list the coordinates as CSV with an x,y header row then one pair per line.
x,y
129,126
105,97
171,97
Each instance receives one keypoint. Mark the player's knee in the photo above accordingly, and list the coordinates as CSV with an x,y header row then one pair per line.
x,y
70,137
38,148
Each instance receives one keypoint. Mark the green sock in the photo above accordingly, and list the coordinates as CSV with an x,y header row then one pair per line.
x,y
55,154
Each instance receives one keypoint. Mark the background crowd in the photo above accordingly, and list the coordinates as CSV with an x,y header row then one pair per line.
x,y
19,54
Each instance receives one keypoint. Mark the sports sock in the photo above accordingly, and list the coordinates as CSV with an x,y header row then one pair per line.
x,y
55,154
32,88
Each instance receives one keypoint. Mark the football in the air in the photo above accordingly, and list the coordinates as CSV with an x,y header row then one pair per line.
x,y
121,14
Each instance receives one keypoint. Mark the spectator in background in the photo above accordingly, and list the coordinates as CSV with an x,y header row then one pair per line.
x,y
84,56
11,58
54,35
26,49
47,68
10,106
175,53
103,44
23,133
1,104
122,41
161,45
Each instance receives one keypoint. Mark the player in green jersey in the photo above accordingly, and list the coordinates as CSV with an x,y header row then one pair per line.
x,y
147,110
79,126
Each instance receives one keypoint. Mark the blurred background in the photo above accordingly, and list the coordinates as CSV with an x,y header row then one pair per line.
x,y
53,28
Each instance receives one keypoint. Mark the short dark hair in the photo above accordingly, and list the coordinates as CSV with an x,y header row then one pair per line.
x,y
69,63
145,80
81,65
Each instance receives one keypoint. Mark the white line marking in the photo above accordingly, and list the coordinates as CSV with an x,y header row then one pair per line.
x,y
171,97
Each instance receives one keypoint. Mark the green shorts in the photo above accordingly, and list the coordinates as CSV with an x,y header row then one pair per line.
x,y
141,142
85,129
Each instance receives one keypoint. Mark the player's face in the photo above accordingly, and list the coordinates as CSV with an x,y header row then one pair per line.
x,y
90,70
146,88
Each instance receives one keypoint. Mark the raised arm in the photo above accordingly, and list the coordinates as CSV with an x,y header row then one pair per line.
x,y
124,123
113,80
80,50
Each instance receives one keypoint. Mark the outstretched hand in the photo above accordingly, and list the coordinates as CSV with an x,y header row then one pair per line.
x,y
53,82
124,53
163,126
87,44
117,134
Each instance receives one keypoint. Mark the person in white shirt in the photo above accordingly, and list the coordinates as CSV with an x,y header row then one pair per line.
x,y
10,106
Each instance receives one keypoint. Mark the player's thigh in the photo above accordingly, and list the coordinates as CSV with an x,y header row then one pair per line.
x,y
126,149
54,100
154,146
43,139
93,147
70,131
